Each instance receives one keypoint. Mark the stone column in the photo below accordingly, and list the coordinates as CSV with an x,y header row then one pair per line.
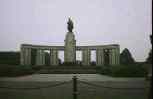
x,y
86,57
40,57
113,57
22,56
116,60
54,57
100,57
117,51
27,56
110,56
43,57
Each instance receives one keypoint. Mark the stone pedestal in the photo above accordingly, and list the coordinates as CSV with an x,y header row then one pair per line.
x,y
70,48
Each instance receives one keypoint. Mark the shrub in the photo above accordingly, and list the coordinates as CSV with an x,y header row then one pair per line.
x,y
126,57
128,71
36,68
10,58
15,70
105,70
125,71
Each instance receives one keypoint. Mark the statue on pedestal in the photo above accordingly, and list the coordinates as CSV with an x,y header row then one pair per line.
x,y
70,25
70,44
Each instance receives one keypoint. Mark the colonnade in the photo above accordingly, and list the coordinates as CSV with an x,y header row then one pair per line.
x,y
113,55
25,56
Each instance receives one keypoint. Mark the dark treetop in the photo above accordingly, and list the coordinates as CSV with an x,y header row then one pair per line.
x,y
70,25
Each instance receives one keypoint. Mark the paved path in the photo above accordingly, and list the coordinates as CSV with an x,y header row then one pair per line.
x,y
67,77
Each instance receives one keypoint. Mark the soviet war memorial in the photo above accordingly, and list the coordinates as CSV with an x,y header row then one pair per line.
x,y
105,54
102,52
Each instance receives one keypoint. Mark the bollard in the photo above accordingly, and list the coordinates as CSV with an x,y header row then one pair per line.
x,y
74,87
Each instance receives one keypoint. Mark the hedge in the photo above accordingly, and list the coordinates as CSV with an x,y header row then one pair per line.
x,y
15,70
132,70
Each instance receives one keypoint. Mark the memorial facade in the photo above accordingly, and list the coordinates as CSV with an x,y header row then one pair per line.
x,y
105,54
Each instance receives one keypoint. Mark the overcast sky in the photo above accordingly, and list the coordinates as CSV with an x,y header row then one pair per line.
x,y
96,22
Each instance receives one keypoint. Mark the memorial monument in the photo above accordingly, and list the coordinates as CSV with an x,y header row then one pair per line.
x,y
70,44
105,54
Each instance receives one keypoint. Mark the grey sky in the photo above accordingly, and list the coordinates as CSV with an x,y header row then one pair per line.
x,y
125,22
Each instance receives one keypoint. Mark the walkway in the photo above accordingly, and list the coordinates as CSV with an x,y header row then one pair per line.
x,y
67,77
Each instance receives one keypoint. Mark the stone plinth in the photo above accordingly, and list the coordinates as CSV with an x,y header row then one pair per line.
x,y
70,48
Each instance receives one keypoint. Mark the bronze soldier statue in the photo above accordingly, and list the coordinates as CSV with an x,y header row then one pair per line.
x,y
70,25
